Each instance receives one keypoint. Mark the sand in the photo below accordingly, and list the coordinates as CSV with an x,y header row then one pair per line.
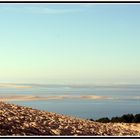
x,y
95,97
59,97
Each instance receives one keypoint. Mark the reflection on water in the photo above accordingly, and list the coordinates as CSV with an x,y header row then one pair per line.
x,y
81,102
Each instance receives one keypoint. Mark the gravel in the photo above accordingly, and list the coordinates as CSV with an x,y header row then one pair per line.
x,y
19,121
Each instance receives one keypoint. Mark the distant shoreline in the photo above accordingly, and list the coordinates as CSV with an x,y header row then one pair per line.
x,y
60,97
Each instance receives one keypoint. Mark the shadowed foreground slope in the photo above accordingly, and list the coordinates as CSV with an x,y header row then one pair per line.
x,y
19,120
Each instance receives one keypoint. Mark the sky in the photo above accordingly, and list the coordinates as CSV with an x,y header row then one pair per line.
x,y
70,43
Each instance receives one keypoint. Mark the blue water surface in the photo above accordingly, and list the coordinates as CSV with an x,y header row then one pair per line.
x,y
122,101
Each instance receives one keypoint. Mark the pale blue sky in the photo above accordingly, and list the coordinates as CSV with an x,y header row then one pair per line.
x,y
70,43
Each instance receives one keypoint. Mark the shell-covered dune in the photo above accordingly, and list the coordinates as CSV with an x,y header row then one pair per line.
x,y
19,120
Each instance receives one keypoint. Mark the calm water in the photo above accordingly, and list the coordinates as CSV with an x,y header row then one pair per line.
x,y
123,100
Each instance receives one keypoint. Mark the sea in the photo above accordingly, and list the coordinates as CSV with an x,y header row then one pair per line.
x,y
116,100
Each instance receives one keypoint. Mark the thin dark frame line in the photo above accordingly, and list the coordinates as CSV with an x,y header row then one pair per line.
x,y
70,1
70,137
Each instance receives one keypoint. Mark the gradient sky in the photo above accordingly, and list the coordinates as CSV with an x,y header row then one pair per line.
x,y
70,43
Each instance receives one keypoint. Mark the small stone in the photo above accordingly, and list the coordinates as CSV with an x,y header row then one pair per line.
x,y
9,119
56,131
